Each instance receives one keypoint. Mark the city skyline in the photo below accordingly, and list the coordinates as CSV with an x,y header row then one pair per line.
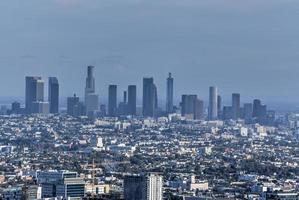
x,y
149,100
162,95
203,94
190,107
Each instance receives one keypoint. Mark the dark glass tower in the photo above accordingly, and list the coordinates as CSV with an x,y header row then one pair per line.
x,y
150,100
256,107
112,101
132,98
219,107
31,93
199,109
135,187
169,94
72,103
248,112
192,107
235,106
53,96
16,108
188,104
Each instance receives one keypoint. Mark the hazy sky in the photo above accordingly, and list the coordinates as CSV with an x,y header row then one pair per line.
x,y
246,46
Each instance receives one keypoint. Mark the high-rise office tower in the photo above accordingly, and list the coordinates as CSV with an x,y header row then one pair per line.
x,y
213,93
125,97
31,93
135,187
188,106
40,106
90,81
192,108
112,101
74,106
156,99
227,113
132,99
219,107
61,184
91,99
53,96
256,107
259,112
123,106
262,118
103,109
199,109
235,106
169,94
35,96
16,108
271,117
150,99
248,112
154,187
40,90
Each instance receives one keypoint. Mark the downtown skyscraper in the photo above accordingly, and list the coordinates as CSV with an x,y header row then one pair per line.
x,y
188,105
150,99
192,107
40,91
34,97
259,112
212,112
91,99
75,108
53,95
132,99
31,92
248,109
219,107
236,106
112,101
169,94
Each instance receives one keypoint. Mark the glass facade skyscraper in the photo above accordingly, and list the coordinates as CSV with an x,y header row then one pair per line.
x,y
112,101
169,94
53,95
150,99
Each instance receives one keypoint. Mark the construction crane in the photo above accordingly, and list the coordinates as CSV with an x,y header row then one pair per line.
x,y
95,167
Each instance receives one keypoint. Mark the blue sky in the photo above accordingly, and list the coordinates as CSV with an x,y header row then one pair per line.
x,y
246,46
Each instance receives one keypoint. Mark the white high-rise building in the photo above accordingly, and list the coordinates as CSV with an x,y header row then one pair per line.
x,y
154,187
100,142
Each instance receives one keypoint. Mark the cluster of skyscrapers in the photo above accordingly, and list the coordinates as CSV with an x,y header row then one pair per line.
x,y
191,107
126,107
251,112
34,97
35,102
